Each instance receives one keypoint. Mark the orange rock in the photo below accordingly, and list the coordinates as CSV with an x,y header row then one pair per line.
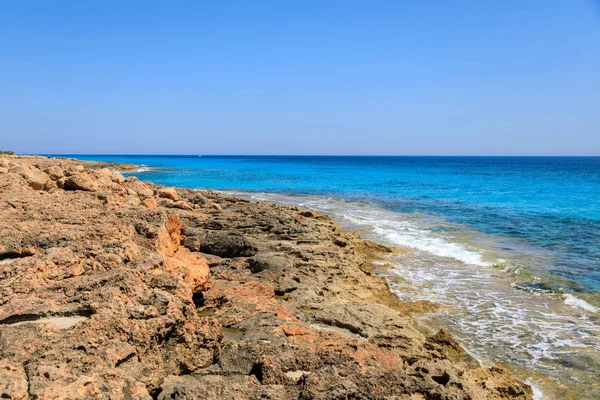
x,y
193,266
374,355
13,381
294,330
149,203
169,237
140,188
117,177
34,177
315,326
55,172
183,205
168,193
178,259
81,182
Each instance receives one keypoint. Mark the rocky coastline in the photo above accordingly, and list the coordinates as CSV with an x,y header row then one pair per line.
x,y
114,288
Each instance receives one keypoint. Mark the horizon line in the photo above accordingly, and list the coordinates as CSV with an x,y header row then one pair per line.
x,y
290,155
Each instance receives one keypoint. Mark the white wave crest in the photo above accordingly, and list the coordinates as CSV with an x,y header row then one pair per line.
x,y
405,234
143,168
537,392
391,227
576,302
489,316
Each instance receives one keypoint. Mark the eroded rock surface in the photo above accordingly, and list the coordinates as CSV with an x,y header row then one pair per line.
x,y
115,288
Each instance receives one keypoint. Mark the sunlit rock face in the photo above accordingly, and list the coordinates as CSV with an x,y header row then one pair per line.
x,y
117,288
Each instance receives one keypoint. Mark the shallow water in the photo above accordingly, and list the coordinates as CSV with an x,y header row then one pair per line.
x,y
58,322
551,339
510,244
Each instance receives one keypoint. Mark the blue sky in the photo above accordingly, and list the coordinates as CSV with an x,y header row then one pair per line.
x,y
482,77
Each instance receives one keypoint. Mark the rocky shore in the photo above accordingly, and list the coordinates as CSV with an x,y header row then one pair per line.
x,y
113,288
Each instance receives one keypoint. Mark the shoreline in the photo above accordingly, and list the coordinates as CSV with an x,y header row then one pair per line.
x,y
207,294
554,319
462,254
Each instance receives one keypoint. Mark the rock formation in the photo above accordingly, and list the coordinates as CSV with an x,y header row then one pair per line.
x,y
115,288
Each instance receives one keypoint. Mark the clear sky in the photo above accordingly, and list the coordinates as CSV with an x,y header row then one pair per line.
x,y
482,77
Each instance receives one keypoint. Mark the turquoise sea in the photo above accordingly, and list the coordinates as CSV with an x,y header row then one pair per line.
x,y
510,244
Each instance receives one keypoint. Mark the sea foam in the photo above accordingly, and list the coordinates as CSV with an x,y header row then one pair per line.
x,y
488,313
143,168
576,302
405,234
537,392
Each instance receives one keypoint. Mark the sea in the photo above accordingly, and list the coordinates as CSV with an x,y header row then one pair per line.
x,y
511,245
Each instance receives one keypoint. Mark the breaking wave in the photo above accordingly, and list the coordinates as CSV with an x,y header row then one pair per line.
x,y
578,303
499,317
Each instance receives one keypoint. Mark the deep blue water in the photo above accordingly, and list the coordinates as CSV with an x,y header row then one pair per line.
x,y
552,204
